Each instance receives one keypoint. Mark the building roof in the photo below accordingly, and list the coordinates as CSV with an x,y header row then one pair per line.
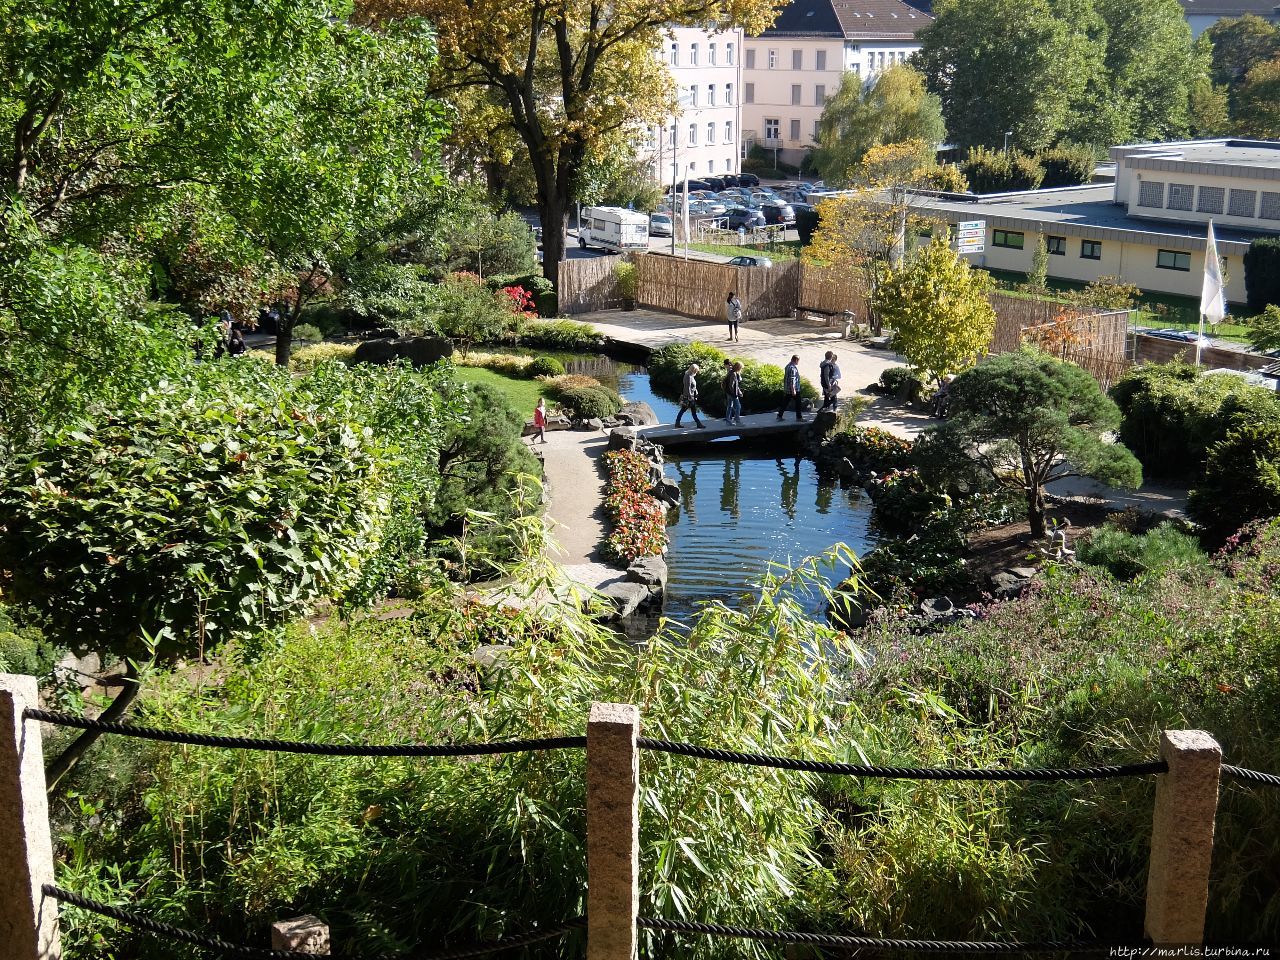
x,y
1253,159
1229,8
1089,212
849,20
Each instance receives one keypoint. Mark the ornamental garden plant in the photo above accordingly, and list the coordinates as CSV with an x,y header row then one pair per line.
x,y
639,520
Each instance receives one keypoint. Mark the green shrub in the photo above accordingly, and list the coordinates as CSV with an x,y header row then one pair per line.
x,y
902,383
1067,166
587,403
994,171
538,286
1172,413
507,364
23,648
628,280
1241,479
307,333
317,353
567,335
544,367
1262,273
806,224
1128,555
761,383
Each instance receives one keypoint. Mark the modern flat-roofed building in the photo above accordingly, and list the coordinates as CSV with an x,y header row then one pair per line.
x,y
792,67
1148,228
1203,14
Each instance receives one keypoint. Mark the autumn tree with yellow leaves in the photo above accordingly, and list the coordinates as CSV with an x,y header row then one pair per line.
x,y
569,72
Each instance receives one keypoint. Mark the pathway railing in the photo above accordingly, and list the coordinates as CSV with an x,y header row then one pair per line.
x,y
1186,799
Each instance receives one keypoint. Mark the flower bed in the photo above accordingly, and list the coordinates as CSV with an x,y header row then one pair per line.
x,y
639,520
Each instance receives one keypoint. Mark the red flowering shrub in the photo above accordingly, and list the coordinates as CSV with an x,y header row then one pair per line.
x,y
521,301
639,520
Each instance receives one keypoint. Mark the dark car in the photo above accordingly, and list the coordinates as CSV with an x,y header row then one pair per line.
x,y
751,262
1186,336
778,213
742,217
716,183
693,185
731,180
748,180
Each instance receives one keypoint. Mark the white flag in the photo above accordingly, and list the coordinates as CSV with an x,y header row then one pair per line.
x,y
1212,302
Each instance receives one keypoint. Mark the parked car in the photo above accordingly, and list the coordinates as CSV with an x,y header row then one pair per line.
x,y
748,180
750,262
1171,333
731,180
661,225
743,217
717,183
706,208
693,185
778,213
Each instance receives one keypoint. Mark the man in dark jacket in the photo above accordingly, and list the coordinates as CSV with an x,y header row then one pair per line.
x,y
689,396
791,388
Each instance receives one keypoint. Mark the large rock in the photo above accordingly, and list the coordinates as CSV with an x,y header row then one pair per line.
x,y
649,571
627,597
622,438
668,491
594,423
1006,585
420,351
638,414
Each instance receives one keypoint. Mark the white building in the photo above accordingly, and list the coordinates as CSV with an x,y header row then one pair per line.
x,y
1203,14
1149,227
789,70
703,139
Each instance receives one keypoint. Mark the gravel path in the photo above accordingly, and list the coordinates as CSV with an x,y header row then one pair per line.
x,y
575,482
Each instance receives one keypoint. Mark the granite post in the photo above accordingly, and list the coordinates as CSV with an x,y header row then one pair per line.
x,y
613,831
305,934
28,918
1182,838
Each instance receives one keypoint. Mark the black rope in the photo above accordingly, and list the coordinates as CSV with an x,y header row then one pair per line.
x,y
294,746
873,943
905,773
1251,776
261,953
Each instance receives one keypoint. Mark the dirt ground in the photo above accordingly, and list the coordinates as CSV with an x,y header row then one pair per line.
x,y
999,548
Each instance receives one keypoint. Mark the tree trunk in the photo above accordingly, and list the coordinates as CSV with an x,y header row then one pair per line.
x,y
553,211
78,747
284,333
1036,510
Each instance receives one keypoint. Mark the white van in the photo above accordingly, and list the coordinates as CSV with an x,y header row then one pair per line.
x,y
613,228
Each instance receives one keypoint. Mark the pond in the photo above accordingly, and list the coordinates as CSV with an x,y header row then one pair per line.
x,y
743,508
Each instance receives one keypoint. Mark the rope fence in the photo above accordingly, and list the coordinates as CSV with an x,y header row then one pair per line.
x,y
1177,886
217,945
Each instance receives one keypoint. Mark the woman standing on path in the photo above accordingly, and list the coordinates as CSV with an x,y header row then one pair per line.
x,y
733,312
733,395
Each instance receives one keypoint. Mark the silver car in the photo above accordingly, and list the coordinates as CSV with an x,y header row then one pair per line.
x,y
660,225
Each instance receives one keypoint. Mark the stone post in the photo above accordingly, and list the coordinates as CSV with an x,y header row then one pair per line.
x,y
1182,838
613,831
28,919
305,934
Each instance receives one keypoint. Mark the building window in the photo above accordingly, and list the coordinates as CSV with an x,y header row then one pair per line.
x,y
855,69
795,130
671,135
1210,200
1180,196
819,95
797,59
675,54
711,94
773,129
820,60
711,132
816,125
693,168
728,54
1056,246
693,134
1243,203
1007,238
1090,250
728,131
795,94
728,94
711,54
1151,194
751,59
773,59
749,94
711,166
1173,260
1270,209
880,60
693,54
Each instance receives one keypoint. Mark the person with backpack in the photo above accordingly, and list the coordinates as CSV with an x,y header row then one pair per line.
x,y
733,312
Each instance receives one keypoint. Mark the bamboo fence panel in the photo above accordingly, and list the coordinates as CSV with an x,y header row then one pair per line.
x,y
588,284
824,290
698,288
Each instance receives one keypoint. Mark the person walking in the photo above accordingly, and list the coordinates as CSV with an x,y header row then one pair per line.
x,y
733,395
791,388
540,421
833,382
824,378
733,312
689,396
724,387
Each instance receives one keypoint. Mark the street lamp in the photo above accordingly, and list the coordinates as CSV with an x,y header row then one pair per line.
x,y
1007,135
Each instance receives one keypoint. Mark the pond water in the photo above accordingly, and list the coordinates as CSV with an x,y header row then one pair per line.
x,y
741,509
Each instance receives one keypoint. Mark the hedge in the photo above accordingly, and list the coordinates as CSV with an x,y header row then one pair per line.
x,y
761,383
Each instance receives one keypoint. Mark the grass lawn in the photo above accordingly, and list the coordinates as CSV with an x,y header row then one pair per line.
x,y
523,394
784,250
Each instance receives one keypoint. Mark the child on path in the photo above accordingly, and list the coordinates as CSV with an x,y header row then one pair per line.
x,y
540,421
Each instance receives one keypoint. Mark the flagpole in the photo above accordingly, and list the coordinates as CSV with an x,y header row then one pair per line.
x,y
1200,340
1212,295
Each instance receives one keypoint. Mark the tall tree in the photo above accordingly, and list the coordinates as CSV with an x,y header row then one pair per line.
x,y
1240,44
1004,65
1257,102
895,108
567,72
